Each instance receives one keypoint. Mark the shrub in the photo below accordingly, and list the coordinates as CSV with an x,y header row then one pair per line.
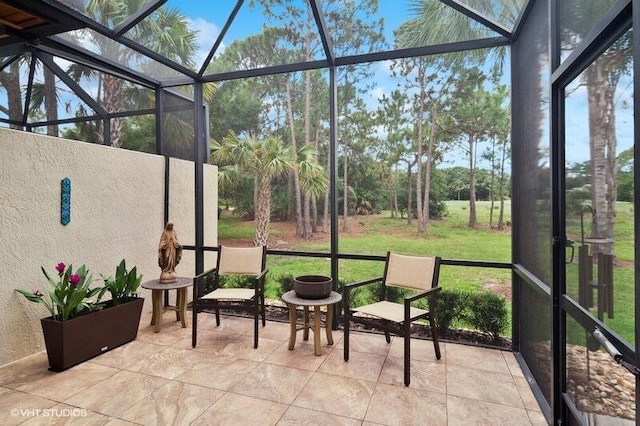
x,y
286,284
450,305
487,312
437,209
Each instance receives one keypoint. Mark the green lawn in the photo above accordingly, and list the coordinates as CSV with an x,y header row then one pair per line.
x,y
449,238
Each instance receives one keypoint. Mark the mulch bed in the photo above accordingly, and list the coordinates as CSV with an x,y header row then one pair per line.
x,y
468,337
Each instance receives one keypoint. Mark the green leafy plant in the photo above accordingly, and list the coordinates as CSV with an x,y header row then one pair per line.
x,y
70,295
124,284
488,312
450,306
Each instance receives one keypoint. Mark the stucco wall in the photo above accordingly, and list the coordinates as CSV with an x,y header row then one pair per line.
x,y
117,212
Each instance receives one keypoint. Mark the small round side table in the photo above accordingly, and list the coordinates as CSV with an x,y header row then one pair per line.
x,y
291,299
180,307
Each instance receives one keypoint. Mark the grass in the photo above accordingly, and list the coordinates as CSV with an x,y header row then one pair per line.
x,y
449,238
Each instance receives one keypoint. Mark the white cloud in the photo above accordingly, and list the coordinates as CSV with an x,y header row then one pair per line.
x,y
208,33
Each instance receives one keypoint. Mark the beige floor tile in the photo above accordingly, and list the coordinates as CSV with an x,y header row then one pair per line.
x,y
168,363
176,403
425,375
119,393
160,379
215,371
476,357
482,385
273,382
371,343
119,422
421,349
127,355
463,411
63,385
23,371
302,357
17,407
512,363
168,335
238,346
529,400
337,395
229,324
400,405
296,416
360,365
278,331
233,410
537,418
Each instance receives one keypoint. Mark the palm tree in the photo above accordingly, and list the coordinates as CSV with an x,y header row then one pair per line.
x,y
166,32
262,159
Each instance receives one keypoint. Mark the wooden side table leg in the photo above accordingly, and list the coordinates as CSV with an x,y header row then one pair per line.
x,y
305,333
178,295
182,306
328,324
156,298
293,324
316,330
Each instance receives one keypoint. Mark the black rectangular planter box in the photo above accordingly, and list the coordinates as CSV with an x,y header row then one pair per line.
x,y
71,342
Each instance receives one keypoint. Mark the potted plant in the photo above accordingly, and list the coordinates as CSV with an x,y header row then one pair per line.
x,y
124,286
80,326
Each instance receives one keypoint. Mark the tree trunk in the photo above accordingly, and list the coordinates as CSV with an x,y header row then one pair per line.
x,y
409,195
419,141
263,212
294,148
325,212
314,215
113,102
472,183
427,172
50,101
308,230
11,82
602,146
597,93
501,188
307,214
493,177
345,203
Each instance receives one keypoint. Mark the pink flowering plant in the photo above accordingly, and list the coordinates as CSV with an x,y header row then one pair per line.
x,y
70,294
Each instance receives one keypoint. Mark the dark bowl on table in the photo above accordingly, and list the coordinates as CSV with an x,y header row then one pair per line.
x,y
312,286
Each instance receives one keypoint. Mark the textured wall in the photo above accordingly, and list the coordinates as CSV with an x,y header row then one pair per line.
x,y
117,210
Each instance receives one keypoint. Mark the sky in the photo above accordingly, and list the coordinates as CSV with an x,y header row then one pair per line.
x,y
208,17
212,16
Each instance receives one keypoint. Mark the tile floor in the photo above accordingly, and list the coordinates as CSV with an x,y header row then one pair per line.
x,y
159,379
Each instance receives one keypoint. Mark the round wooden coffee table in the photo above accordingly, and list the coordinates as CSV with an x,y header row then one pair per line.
x,y
157,289
291,299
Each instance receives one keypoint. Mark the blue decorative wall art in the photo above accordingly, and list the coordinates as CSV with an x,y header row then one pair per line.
x,y
65,201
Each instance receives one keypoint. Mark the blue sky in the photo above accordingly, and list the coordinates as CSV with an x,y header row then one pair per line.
x,y
210,16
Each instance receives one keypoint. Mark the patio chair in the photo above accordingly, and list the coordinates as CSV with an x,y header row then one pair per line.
x,y
247,261
416,273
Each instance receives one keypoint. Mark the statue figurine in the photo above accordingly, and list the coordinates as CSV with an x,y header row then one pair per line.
x,y
169,254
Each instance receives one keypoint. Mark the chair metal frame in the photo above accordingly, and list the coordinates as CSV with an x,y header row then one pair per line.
x,y
254,305
400,328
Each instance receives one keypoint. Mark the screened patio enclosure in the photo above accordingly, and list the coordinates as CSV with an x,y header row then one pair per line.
x,y
98,71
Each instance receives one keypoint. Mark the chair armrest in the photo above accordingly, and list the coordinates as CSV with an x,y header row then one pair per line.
x,y
197,278
202,274
420,295
262,274
361,283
